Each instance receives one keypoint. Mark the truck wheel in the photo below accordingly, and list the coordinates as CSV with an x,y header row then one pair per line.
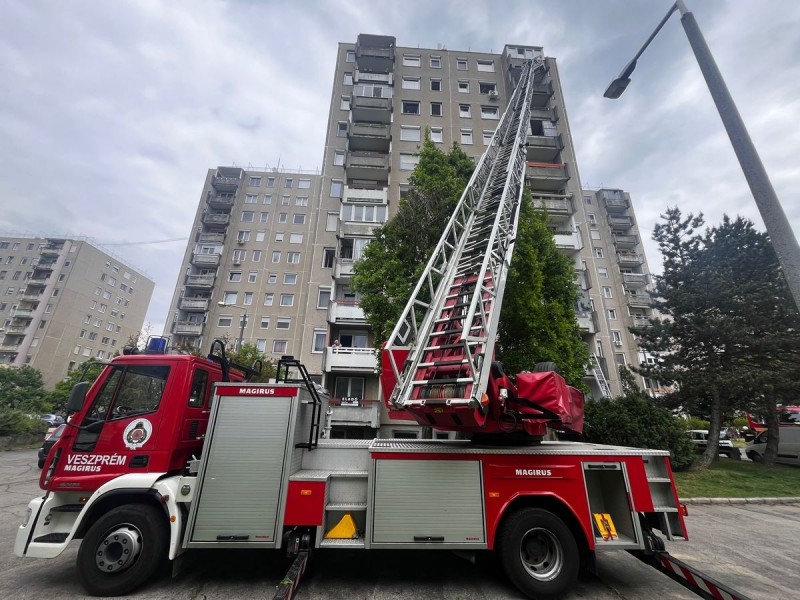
x,y
539,553
122,550
545,366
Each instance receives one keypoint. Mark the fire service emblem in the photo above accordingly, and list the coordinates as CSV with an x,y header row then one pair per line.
x,y
137,433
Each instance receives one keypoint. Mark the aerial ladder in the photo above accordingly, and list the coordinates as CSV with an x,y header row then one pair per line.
x,y
441,352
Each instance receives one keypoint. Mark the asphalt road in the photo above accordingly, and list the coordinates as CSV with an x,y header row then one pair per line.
x,y
752,548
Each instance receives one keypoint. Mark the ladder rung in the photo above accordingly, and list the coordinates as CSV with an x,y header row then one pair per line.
x,y
444,363
442,381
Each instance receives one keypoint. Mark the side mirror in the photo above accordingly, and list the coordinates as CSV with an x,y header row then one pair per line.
x,y
77,396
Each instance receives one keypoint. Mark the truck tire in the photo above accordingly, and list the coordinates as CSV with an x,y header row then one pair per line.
x,y
542,367
122,550
539,553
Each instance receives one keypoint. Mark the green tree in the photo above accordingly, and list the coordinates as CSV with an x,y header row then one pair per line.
x,y
537,320
86,371
247,357
729,336
634,420
23,389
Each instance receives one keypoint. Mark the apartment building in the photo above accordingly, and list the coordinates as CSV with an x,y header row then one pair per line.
x,y
384,99
64,301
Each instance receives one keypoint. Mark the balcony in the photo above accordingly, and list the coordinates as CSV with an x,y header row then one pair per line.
x,y
187,328
194,304
371,195
543,148
205,260
629,259
583,279
31,296
545,114
367,165
223,183
625,241
641,321
542,92
621,223
375,110
220,202
16,329
586,321
345,311
568,240
211,238
343,268
375,53
21,313
357,228
635,280
362,360
640,300
372,137
202,282
9,349
555,205
546,176
364,77
614,201
366,414
216,220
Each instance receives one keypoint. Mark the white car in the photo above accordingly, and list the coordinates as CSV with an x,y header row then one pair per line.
x,y
726,447
788,446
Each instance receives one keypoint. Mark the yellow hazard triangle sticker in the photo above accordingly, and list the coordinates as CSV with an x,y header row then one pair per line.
x,y
345,529
605,525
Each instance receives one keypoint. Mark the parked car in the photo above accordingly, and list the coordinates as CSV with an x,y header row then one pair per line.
x,y
49,442
700,439
788,446
52,420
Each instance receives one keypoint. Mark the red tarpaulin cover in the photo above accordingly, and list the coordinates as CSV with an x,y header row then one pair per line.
x,y
549,392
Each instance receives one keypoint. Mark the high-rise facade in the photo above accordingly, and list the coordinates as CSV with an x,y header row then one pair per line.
x,y
383,101
65,301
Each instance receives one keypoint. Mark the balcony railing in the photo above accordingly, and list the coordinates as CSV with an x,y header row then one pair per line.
x,y
364,77
372,137
366,412
623,241
367,108
205,260
639,301
225,184
343,267
345,311
553,204
586,321
194,304
371,195
200,281
9,348
541,94
620,223
629,258
367,165
21,313
350,359
16,329
220,202
635,279
546,176
357,228
545,114
543,147
187,328
211,238
216,220
568,240
641,321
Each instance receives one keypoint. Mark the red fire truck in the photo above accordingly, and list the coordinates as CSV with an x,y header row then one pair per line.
x,y
152,465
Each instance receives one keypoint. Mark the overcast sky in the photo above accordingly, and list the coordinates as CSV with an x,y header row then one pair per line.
x,y
111,112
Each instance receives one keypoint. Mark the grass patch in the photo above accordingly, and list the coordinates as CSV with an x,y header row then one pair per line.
x,y
739,479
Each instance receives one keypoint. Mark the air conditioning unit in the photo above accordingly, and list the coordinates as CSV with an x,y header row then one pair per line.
x,y
237,262
493,94
240,242
618,342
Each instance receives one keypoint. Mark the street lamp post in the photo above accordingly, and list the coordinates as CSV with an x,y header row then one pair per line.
x,y
243,322
778,227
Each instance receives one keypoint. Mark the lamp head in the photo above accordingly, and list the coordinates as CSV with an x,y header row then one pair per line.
x,y
616,87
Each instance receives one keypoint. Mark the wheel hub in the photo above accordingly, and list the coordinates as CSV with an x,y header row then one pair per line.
x,y
119,549
541,554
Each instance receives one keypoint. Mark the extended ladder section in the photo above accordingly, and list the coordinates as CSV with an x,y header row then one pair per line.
x,y
600,377
450,323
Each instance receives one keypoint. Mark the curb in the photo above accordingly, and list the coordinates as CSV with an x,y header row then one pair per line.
x,y
730,501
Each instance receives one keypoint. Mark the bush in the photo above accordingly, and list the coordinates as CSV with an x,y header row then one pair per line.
x,y
16,422
695,423
637,422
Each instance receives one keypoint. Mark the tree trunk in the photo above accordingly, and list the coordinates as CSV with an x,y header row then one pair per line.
x,y
712,444
773,437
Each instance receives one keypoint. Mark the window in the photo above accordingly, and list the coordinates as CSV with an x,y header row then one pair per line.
x,y
255,181
269,299
461,64
410,108
466,136
248,298
436,135
279,346
278,236
257,253
487,137
436,85
411,83
328,257
463,87
288,183
263,217
598,253
408,162
592,218
587,199
350,56
293,258
348,78
411,60
251,199
224,321
486,66
248,216
287,299
272,278
344,103
602,272
341,129
490,112
436,109
304,184
331,221
409,133
338,158
286,200
301,201
267,198
283,217
607,292
252,276
487,88
264,322
594,234
283,323
612,314
336,188
364,213
299,219
320,340
276,256
295,238
463,110
436,62
290,278
324,298
616,337
261,345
